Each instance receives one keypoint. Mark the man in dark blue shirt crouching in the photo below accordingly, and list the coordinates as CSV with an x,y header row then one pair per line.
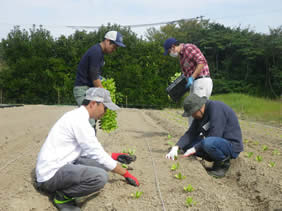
x,y
215,134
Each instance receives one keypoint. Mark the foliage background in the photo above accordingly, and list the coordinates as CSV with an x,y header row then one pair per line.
x,y
37,68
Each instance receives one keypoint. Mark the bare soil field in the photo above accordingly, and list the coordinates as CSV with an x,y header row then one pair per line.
x,y
249,184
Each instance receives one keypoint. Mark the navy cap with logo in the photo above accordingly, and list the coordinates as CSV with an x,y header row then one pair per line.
x,y
116,37
168,44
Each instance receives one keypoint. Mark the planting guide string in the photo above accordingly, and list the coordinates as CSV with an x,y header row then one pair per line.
x,y
156,177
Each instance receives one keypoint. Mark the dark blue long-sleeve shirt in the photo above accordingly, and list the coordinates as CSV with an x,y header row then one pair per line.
x,y
219,120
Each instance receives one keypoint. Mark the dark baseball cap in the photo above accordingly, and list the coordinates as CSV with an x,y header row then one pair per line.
x,y
168,44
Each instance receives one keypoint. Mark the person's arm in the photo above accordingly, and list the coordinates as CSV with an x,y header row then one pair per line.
x,y
198,70
200,59
97,83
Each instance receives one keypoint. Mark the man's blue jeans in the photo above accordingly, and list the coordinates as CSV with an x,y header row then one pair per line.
x,y
213,148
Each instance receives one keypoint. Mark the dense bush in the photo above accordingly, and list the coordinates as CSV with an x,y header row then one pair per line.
x,y
40,69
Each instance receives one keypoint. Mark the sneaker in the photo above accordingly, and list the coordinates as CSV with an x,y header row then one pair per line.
x,y
65,203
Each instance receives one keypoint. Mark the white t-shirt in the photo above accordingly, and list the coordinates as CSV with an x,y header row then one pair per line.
x,y
70,137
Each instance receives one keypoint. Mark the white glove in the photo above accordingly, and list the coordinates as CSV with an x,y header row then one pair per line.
x,y
189,152
173,152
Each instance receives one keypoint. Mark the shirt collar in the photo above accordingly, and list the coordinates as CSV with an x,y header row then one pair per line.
x,y
84,111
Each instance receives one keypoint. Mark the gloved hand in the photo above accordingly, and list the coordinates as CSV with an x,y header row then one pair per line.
x,y
189,152
173,153
123,157
131,179
190,82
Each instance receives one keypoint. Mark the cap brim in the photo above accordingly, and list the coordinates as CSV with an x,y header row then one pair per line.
x,y
112,106
120,44
166,52
185,114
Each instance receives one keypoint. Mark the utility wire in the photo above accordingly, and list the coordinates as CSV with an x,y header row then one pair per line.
x,y
138,25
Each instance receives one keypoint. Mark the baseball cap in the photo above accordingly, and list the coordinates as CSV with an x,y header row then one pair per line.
x,y
193,103
168,44
101,95
116,37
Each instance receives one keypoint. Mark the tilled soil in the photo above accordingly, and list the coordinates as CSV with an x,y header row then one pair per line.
x,y
248,185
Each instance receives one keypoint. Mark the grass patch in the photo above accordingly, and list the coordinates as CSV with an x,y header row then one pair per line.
x,y
253,108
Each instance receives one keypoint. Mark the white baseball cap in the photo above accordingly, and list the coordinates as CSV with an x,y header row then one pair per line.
x,y
101,95
116,37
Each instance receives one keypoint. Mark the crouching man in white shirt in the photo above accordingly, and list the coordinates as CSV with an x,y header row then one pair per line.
x,y
72,162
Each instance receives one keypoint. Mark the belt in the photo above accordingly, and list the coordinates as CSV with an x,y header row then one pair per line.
x,y
203,76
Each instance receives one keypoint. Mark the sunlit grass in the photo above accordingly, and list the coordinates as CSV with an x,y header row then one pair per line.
x,y
253,108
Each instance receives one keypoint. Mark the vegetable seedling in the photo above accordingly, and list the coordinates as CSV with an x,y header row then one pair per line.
x,y
174,166
137,194
246,141
179,176
264,147
250,154
258,158
170,143
124,166
169,136
131,151
276,152
189,202
271,164
188,188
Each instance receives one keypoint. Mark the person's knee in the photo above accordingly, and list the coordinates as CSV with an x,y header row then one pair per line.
x,y
101,179
208,144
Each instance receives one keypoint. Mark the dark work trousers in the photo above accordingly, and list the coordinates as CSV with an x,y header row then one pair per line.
x,y
82,178
213,148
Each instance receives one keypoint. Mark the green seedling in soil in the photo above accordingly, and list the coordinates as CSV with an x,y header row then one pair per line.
x,y
276,152
170,143
129,151
256,143
179,176
246,141
124,166
258,158
174,166
137,194
264,147
250,154
169,136
189,202
188,188
271,164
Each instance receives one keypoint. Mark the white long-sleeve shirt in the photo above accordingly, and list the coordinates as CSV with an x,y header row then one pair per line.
x,y
70,137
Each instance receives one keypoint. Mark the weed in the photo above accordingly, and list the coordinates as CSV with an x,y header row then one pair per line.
x,y
188,188
169,136
179,176
174,166
189,202
137,194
